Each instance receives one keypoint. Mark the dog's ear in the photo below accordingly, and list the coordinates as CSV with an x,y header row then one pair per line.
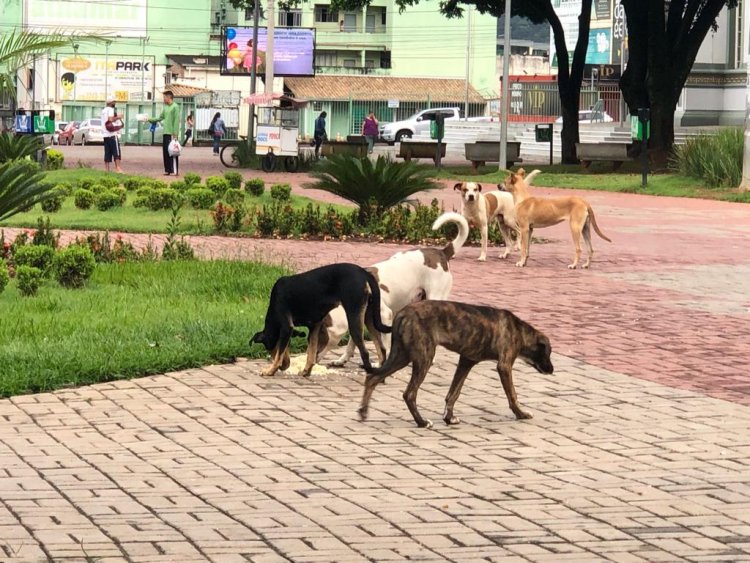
x,y
257,338
521,172
479,187
458,186
501,187
511,179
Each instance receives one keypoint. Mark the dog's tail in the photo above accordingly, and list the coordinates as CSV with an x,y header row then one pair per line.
x,y
528,179
375,303
593,223
398,358
455,245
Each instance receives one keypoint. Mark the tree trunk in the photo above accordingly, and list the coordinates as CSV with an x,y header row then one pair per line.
x,y
570,131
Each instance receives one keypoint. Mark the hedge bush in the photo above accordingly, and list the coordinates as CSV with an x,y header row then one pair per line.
x,y
716,159
53,204
4,276
234,179
192,178
55,160
255,186
201,198
28,280
234,197
73,266
217,184
83,198
281,192
36,256
65,188
107,200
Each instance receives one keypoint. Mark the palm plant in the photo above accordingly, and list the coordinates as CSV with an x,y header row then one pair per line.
x,y
21,186
374,187
14,147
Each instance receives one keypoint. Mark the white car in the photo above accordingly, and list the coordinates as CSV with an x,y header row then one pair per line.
x,y
590,116
90,131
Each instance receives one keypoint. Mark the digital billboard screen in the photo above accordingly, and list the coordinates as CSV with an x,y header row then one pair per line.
x,y
293,51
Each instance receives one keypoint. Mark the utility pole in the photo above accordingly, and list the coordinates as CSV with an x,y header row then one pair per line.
x,y
745,185
270,16
468,62
253,76
505,100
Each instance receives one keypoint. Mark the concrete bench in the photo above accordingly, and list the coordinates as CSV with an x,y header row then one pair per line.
x,y
420,149
480,152
616,153
356,149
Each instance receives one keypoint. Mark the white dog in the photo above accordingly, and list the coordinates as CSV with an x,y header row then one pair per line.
x,y
403,278
481,209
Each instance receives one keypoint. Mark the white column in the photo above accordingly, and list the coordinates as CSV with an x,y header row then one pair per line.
x,y
505,99
745,185
271,16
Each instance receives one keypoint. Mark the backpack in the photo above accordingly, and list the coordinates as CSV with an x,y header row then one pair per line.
x,y
211,127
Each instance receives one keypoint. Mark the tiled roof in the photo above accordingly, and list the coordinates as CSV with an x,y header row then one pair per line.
x,y
341,87
182,91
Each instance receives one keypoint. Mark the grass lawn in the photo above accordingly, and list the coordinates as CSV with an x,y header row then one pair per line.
x,y
132,319
129,218
600,177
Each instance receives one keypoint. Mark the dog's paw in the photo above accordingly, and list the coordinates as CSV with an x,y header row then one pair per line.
x,y
362,412
585,267
572,266
425,424
520,264
306,372
453,420
268,373
524,415
504,255
338,363
482,259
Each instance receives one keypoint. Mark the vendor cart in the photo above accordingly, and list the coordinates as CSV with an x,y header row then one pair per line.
x,y
277,136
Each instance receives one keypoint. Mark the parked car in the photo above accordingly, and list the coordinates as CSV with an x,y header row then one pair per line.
x,y
591,116
90,131
420,121
65,137
59,128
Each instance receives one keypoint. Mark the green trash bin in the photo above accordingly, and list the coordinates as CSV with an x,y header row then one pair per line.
x,y
433,129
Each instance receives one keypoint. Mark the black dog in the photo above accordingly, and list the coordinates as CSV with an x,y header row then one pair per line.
x,y
476,333
306,299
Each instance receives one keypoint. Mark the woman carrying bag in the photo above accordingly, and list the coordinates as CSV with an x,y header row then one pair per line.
x,y
217,130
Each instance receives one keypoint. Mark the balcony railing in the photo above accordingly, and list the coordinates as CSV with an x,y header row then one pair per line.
x,y
352,70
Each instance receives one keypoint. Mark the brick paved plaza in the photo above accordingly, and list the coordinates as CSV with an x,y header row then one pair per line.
x,y
639,447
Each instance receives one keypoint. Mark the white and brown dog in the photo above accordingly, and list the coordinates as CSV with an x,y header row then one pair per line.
x,y
481,209
404,278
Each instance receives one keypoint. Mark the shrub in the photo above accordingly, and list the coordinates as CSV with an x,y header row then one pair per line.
x,y
222,217
83,198
176,249
86,183
144,191
311,219
255,186
122,193
99,246
281,192
28,279
4,276
716,159
157,184
107,200
164,198
201,198
192,178
217,184
98,188
53,204
55,160
234,179
179,185
65,188
374,187
109,182
234,197
132,184
37,256
44,234
73,266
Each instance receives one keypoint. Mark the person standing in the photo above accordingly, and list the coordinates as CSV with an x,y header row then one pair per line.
x,y
111,136
170,118
370,130
188,129
320,134
217,129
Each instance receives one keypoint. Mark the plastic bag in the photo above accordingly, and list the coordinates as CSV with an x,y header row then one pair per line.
x,y
174,148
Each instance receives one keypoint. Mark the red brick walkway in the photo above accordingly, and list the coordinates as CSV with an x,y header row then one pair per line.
x,y
667,301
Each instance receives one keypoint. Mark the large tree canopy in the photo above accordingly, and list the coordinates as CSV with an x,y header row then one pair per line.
x,y
664,38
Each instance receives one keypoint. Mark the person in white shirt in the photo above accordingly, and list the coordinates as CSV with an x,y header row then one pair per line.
x,y
112,151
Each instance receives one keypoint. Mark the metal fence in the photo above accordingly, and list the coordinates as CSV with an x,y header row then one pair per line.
x,y
539,102
346,117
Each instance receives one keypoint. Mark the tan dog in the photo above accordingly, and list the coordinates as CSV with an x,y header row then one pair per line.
x,y
537,212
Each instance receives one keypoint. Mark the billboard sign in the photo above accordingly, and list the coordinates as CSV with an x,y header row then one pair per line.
x,y
96,77
293,51
125,18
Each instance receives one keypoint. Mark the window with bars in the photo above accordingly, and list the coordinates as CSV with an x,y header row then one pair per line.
x,y
290,18
324,14
739,38
325,58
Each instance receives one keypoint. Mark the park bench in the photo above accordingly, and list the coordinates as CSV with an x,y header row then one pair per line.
x,y
480,152
409,149
616,153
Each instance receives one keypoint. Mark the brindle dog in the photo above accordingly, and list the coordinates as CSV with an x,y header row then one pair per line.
x,y
476,333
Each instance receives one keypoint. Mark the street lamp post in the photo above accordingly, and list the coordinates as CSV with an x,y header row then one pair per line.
x,y
505,99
